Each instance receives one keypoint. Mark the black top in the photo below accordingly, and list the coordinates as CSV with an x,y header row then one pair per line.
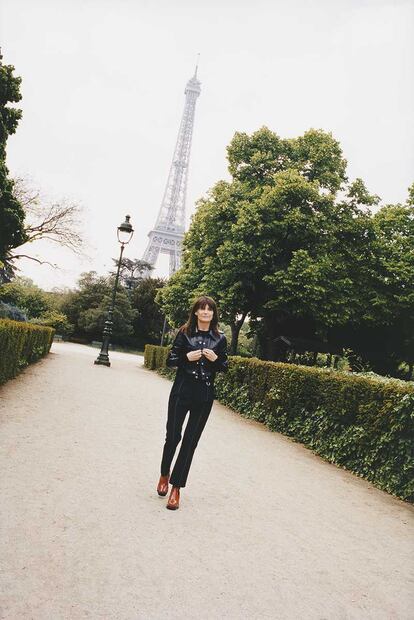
x,y
201,374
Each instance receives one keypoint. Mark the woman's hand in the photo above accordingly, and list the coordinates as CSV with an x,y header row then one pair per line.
x,y
193,356
210,355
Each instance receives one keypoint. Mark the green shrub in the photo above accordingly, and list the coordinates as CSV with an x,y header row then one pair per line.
x,y
20,345
57,320
9,311
360,423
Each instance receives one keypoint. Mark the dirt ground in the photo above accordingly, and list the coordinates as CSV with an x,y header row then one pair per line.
x,y
265,529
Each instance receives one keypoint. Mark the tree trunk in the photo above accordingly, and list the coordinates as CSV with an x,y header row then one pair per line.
x,y
235,330
270,329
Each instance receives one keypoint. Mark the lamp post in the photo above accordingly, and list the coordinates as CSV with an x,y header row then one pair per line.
x,y
124,232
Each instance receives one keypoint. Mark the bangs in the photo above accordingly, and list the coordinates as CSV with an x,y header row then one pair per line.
x,y
205,301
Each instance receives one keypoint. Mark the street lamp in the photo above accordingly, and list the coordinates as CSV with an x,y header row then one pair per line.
x,y
124,232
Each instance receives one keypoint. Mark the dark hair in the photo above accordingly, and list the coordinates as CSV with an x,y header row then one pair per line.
x,y
189,327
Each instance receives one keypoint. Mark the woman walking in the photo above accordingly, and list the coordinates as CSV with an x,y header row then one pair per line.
x,y
199,351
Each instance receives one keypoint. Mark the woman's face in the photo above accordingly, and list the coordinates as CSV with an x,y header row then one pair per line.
x,y
204,314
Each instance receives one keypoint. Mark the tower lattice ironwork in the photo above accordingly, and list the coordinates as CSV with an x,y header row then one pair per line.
x,y
167,235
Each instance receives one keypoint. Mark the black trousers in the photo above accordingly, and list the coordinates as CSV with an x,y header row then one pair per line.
x,y
198,400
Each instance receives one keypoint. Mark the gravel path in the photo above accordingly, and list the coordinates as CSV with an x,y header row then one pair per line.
x,y
265,529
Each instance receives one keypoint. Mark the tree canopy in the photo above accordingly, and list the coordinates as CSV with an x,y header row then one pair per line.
x,y
295,246
87,308
27,296
12,233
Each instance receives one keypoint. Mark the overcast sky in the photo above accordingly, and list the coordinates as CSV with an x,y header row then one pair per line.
x,y
103,93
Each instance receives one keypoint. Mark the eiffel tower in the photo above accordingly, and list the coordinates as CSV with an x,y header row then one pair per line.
x,y
168,232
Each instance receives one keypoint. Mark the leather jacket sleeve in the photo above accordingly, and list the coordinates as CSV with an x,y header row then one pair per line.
x,y
221,364
177,355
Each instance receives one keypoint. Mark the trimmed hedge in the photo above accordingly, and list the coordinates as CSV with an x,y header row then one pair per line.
x,y
20,345
155,357
360,423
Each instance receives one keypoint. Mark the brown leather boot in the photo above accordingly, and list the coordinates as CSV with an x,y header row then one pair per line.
x,y
162,488
174,499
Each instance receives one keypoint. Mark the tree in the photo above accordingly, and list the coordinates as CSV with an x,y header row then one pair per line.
x,y
45,220
131,272
322,273
23,300
386,337
176,297
149,320
27,296
12,232
201,272
292,244
244,229
316,155
87,308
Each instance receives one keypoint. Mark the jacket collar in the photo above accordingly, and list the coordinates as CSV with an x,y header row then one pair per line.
x,y
210,333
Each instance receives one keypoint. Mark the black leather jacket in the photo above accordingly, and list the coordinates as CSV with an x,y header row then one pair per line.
x,y
203,369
